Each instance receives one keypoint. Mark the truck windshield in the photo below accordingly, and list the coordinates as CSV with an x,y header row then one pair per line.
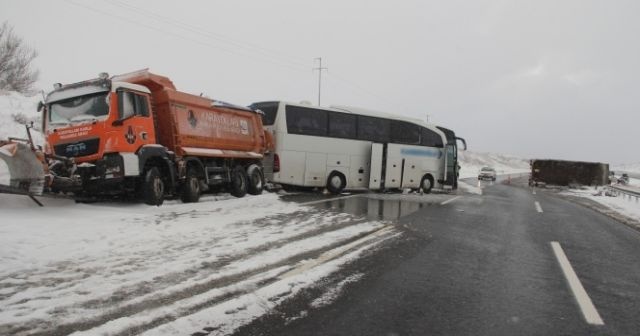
x,y
78,109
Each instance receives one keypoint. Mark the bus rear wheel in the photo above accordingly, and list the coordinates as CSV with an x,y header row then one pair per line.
x,y
336,183
426,184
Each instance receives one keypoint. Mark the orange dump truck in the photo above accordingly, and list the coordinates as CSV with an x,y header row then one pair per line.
x,y
135,134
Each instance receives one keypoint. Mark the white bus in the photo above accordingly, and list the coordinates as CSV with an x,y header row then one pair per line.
x,y
349,148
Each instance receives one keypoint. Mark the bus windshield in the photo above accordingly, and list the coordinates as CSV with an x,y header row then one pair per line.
x,y
270,111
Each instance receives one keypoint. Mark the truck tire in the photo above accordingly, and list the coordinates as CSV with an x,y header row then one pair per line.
x,y
239,182
426,184
191,187
256,179
336,183
153,187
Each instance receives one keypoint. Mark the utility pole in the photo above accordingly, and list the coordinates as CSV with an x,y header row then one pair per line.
x,y
319,68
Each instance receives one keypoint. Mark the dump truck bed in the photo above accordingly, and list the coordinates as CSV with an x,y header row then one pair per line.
x,y
192,125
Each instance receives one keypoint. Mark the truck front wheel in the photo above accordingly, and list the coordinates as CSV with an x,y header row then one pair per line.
x,y
239,182
153,187
191,188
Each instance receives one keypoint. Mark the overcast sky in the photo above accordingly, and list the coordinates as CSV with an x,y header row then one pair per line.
x,y
536,79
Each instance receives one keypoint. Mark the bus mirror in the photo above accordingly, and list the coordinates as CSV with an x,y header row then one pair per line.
x,y
464,143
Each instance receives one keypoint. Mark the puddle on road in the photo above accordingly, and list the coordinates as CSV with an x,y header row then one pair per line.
x,y
373,209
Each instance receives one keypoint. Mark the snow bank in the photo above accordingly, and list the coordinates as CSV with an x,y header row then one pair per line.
x,y
623,205
14,106
472,162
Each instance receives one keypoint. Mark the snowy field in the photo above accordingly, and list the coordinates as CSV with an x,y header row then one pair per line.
x,y
114,268
472,162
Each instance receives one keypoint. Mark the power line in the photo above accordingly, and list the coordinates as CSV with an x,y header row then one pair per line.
x,y
274,58
354,86
169,32
201,31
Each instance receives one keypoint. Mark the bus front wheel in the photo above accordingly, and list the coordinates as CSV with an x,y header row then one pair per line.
x,y
336,183
426,184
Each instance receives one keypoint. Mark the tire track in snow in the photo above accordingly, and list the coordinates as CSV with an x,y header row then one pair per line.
x,y
171,308
158,301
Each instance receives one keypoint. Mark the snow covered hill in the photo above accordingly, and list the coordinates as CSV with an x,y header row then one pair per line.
x,y
629,167
472,162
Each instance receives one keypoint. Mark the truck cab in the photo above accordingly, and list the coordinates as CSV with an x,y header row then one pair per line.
x,y
97,130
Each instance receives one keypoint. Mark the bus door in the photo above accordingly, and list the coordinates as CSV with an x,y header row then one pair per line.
x,y
376,164
451,169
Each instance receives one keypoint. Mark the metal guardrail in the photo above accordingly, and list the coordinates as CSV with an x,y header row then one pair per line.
x,y
625,192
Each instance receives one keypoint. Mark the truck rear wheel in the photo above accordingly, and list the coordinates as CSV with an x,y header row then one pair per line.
x,y
153,187
191,187
239,182
256,180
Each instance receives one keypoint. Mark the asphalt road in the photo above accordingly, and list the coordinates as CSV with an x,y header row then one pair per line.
x,y
482,265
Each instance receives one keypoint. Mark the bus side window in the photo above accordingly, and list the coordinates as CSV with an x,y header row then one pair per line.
x,y
430,138
342,125
404,133
373,129
306,121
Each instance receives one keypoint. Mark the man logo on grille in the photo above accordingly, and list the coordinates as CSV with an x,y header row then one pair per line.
x,y
130,136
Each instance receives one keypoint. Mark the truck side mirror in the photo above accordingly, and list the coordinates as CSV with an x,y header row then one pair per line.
x,y
40,106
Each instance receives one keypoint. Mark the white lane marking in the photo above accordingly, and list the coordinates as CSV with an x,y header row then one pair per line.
x,y
538,207
329,199
450,200
586,305
533,191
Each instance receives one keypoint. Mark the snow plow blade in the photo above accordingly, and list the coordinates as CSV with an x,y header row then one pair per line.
x,y
23,173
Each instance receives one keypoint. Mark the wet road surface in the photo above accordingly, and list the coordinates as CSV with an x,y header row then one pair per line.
x,y
478,265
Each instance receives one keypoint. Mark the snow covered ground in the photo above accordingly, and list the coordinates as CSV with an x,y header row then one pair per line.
x,y
623,205
113,268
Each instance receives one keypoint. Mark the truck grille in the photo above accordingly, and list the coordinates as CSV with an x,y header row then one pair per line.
x,y
78,148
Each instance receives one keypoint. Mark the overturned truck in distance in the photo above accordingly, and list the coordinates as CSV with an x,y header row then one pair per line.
x,y
564,173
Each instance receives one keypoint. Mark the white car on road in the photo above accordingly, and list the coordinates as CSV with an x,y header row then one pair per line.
x,y
487,173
